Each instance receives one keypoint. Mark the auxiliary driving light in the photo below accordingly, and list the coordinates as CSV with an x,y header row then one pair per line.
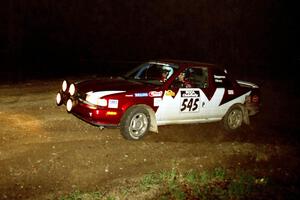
x,y
69,105
72,89
64,85
58,99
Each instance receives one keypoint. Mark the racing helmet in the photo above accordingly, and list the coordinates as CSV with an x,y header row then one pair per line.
x,y
167,69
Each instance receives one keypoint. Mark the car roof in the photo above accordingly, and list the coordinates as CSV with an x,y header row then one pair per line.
x,y
185,62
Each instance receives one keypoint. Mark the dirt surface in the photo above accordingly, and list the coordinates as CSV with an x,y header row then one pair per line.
x,y
46,153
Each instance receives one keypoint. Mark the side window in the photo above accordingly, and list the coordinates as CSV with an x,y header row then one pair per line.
x,y
141,73
183,79
149,71
196,77
153,72
221,80
199,77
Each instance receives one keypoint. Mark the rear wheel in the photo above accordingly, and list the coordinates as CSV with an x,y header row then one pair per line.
x,y
135,123
233,118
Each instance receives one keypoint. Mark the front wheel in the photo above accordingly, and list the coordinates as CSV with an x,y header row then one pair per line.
x,y
233,118
135,123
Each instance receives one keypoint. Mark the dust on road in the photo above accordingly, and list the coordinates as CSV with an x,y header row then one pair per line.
x,y
46,153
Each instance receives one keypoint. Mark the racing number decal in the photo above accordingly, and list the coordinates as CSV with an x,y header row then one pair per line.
x,y
190,100
189,105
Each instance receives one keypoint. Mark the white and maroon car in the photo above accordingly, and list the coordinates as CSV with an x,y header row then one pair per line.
x,y
160,93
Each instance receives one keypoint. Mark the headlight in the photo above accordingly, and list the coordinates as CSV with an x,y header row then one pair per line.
x,y
102,102
72,89
96,101
64,85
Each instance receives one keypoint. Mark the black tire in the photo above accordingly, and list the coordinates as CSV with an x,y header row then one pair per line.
x,y
135,123
233,119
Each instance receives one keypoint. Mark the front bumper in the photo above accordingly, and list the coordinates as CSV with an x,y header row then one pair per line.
x,y
92,114
96,115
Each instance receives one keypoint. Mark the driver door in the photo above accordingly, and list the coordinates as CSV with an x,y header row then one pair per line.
x,y
183,105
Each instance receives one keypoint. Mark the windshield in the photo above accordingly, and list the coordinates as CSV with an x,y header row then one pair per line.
x,y
152,72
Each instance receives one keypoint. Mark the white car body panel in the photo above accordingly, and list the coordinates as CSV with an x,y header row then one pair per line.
x,y
205,110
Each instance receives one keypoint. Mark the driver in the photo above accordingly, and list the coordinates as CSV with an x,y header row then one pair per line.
x,y
183,81
164,75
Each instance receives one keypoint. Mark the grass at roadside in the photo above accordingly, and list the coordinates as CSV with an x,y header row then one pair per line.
x,y
219,183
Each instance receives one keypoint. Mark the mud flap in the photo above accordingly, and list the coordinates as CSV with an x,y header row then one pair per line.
x,y
246,118
153,124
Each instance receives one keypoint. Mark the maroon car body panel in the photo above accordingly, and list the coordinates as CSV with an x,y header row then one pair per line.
x,y
120,94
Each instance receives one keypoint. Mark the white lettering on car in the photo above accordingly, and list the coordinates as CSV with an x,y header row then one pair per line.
x,y
143,94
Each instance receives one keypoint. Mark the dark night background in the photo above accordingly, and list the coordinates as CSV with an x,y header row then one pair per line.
x,y
54,38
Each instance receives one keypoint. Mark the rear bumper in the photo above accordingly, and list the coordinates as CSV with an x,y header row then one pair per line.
x,y
252,108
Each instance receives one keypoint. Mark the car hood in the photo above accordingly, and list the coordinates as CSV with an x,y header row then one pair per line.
x,y
112,84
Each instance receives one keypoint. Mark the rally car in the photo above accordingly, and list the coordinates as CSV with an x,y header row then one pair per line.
x,y
160,93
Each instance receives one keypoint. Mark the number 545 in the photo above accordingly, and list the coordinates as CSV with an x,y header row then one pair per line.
x,y
189,105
